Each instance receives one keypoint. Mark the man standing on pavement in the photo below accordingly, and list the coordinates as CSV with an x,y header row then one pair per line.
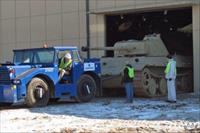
x,y
170,75
128,82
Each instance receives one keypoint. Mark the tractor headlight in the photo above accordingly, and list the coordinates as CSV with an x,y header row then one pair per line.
x,y
16,81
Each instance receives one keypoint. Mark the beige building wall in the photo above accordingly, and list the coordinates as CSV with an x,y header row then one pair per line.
x,y
119,6
31,23
196,47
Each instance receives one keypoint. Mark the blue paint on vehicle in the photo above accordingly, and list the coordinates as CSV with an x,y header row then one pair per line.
x,y
42,62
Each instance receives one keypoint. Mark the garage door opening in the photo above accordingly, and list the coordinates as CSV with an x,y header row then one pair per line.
x,y
173,25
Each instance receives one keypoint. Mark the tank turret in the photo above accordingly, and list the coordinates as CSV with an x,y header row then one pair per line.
x,y
148,46
111,48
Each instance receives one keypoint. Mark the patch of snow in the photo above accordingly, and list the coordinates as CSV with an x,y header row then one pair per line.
x,y
105,115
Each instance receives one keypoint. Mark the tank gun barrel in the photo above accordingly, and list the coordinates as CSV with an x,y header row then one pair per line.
x,y
109,48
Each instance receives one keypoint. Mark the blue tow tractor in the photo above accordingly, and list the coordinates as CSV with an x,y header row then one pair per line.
x,y
33,77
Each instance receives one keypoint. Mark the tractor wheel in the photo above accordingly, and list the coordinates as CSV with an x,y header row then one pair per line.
x,y
86,88
37,93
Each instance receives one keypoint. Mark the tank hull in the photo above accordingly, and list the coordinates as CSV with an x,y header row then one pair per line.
x,y
149,78
148,57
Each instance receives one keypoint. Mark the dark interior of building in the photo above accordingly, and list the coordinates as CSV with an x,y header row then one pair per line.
x,y
167,23
174,27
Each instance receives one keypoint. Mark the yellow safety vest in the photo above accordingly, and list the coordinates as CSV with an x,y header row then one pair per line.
x,y
64,65
131,73
168,67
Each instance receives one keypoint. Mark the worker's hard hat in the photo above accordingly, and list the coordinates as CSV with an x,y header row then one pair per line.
x,y
68,55
45,45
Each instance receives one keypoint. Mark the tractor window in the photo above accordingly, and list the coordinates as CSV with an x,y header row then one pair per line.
x,y
76,56
44,56
23,57
62,53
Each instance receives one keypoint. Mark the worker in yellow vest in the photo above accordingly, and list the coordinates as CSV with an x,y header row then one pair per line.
x,y
170,75
65,65
128,82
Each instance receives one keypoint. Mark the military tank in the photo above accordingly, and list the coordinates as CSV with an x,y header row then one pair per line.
x,y
148,57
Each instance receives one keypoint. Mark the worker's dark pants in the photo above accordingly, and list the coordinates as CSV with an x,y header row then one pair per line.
x,y
129,92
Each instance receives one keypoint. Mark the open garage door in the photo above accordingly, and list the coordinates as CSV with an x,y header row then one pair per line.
x,y
173,25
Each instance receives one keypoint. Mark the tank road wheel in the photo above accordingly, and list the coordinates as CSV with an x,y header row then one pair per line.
x,y
146,76
37,93
152,88
86,88
148,83
163,87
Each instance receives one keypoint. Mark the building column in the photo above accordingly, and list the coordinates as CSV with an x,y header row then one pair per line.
x,y
101,34
196,47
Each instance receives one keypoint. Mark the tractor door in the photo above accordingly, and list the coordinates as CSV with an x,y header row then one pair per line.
x,y
67,78
77,68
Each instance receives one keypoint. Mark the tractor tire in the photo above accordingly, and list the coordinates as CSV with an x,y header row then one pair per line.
x,y
86,89
37,93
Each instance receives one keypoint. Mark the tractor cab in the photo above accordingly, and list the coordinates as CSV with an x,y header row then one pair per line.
x,y
34,77
75,66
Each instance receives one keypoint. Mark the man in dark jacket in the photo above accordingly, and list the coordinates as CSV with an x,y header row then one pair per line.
x,y
128,82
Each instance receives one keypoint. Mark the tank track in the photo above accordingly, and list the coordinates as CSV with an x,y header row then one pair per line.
x,y
151,82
